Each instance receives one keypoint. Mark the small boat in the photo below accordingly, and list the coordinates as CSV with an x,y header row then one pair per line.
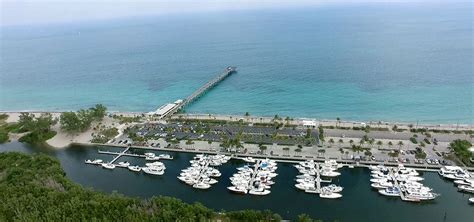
x,y
390,191
249,159
153,171
97,161
165,156
333,188
152,158
108,166
156,164
466,188
135,168
88,161
124,164
259,192
329,195
201,185
238,189
471,200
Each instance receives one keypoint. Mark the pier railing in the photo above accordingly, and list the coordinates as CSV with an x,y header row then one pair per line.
x,y
203,89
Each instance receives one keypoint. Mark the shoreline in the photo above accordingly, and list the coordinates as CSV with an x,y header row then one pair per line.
x,y
296,120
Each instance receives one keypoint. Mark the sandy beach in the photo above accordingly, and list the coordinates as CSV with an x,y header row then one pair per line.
x,y
63,139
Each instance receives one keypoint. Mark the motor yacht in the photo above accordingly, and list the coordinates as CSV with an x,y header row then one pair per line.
x,y
108,166
153,171
329,195
390,191
124,164
135,168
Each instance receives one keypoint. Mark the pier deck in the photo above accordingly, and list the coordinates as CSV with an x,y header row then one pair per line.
x,y
199,92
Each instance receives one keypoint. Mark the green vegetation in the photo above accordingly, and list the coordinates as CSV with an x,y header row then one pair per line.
x,y
321,132
38,128
413,140
126,119
461,149
105,135
81,120
34,188
419,153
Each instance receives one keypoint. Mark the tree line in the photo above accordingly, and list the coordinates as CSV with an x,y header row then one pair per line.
x,y
80,121
35,188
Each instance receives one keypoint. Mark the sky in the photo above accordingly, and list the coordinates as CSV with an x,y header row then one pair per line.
x,y
31,12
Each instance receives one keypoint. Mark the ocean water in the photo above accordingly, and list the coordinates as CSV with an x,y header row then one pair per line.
x,y
391,62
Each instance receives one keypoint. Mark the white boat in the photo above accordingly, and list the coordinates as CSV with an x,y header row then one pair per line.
x,y
156,164
333,188
201,185
465,182
124,164
153,171
304,186
97,161
135,168
88,161
259,192
249,159
329,195
238,189
377,186
390,191
329,173
417,196
466,188
471,200
151,158
165,156
108,166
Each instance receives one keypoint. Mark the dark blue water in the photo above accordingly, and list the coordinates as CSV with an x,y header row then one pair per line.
x,y
404,62
359,201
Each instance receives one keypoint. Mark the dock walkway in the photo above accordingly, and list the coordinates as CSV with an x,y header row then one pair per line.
x,y
199,92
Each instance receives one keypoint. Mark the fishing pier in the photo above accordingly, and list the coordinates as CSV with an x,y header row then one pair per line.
x,y
168,110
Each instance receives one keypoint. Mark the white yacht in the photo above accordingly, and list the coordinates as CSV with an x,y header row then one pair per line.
x,y
390,191
466,188
471,200
108,166
153,171
238,189
96,161
249,159
329,195
201,185
259,192
124,164
135,168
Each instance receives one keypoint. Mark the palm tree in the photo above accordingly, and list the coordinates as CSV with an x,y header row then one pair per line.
x,y
361,142
400,144
341,142
390,144
287,119
379,143
210,143
262,148
338,121
351,142
371,142
287,149
331,141
298,150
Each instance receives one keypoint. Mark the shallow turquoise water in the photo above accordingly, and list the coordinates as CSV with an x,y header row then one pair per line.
x,y
402,62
